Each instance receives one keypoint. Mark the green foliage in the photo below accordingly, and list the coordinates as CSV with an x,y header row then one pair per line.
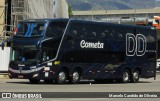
x,y
70,10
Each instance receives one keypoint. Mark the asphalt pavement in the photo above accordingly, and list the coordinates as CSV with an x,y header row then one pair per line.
x,y
21,85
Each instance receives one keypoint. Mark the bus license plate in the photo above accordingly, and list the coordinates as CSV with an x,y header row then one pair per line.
x,y
20,76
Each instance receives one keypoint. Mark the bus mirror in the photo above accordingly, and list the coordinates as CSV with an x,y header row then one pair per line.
x,y
2,46
23,59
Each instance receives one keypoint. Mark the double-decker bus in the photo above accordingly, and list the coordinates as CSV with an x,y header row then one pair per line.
x,y
67,50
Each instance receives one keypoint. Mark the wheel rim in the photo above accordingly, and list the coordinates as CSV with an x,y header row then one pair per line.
x,y
136,75
62,76
75,76
125,76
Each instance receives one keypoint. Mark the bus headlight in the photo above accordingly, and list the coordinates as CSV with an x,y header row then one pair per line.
x,y
33,67
35,75
46,68
49,64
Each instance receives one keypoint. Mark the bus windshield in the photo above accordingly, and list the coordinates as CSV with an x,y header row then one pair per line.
x,y
24,55
30,29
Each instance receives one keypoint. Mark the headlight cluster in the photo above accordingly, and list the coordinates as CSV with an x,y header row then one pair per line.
x,y
33,67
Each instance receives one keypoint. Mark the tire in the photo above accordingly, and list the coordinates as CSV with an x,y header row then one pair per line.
x,y
48,81
135,76
62,77
34,81
75,77
125,76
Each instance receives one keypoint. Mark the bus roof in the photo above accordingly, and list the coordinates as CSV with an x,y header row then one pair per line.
x,y
45,20
93,22
113,24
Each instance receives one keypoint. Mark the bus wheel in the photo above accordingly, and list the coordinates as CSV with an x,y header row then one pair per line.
x,y
48,81
135,76
34,81
62,76
126,76
75,77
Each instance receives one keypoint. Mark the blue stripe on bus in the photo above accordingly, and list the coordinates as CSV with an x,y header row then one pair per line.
x,y
32,27
28,30
45,25
43,32
18,26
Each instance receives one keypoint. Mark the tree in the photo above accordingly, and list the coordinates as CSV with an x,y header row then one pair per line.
x,y
70,11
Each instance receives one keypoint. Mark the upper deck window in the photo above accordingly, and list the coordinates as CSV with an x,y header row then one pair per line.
x,y
56,29
30,29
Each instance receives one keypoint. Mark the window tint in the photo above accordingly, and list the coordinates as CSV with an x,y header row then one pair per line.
x,y
88,56
82,30
150,36
48,54
56,29
91,30
30,29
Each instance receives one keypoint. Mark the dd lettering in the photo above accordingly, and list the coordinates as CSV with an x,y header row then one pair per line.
x,y
135,45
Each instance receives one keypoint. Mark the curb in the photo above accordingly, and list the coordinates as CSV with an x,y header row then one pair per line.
x,y
158,73
4,76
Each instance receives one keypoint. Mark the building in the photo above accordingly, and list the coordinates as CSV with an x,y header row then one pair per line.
x,y
2,17
13,11
17,10
115,14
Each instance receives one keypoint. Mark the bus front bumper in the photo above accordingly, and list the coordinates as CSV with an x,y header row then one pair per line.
x,y
24,74
37,73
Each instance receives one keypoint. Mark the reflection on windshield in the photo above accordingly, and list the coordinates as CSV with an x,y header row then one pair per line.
x,y
25,55
29,29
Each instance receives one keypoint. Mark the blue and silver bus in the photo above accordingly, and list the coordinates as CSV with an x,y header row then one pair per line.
x,y
67,50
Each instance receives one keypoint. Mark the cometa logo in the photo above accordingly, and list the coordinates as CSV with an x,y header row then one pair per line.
x,y
85,44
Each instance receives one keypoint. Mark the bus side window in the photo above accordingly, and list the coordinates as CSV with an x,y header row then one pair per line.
x,y
70,38
44,56
55,29
72,35
93,35
109,34
120,35
82,32
102,35
48,54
